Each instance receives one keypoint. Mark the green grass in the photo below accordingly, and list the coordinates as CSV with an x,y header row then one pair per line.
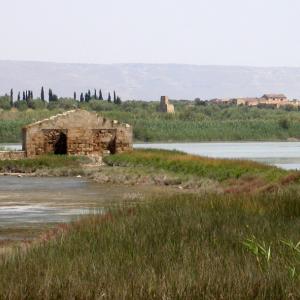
x,y
172,247
181,163
190,122
46,162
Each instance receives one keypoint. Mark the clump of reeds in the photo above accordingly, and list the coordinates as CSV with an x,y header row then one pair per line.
x,y
181,163
172,247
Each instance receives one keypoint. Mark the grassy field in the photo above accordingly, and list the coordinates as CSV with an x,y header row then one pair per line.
x,y
238,244
179,247
190,123
181,163
52,164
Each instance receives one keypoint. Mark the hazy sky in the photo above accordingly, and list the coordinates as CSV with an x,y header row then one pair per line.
x,y
227,32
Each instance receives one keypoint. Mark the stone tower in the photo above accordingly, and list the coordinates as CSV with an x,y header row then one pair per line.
x,y
165,106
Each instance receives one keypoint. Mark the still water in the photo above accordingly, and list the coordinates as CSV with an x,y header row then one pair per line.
x,y
282,154
31,203
28,204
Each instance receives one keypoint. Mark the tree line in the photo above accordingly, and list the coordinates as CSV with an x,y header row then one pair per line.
x,y
27,95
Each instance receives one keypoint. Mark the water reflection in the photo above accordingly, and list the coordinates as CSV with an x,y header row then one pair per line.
x,y
32,202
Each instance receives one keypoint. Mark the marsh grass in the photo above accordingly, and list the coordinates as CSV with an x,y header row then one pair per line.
x,y
64,164
185,164
170,247
189,123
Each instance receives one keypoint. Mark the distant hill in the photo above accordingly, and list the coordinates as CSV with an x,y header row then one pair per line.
x,y
150,81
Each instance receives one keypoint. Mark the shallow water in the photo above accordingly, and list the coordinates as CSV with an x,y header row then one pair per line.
x,y
33,202
282,154
11,146
285,155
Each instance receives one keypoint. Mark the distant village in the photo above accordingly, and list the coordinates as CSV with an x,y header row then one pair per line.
x,y
274,100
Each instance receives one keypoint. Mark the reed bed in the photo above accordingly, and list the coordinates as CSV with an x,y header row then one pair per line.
x,y
181,163
170,247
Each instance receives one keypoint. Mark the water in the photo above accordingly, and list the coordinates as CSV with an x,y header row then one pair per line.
x,y
11,147
29,204
281,154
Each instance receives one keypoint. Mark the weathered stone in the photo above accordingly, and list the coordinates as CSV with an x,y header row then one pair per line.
x,y
76,132
165,106
11,155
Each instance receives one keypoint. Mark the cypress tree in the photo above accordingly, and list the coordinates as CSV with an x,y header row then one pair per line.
x,y
100,95
50,95
42,94
11,98
81,97
109,97
75,96
118,100
19,96
115,97
95,95
24,96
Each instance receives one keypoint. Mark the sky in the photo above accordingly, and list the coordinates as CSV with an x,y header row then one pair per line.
x,y
202,32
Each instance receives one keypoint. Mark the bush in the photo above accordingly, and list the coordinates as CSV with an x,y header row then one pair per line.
x,y
5,102
284,123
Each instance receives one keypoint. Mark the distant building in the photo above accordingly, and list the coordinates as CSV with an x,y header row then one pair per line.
x,y
274,98
165,106
245,101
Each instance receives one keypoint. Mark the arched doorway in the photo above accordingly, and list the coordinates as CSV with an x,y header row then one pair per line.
x,y
60,146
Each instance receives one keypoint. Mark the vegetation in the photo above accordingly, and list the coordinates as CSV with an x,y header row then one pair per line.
x,y
178,162
229,245
178,247
67,164
191,122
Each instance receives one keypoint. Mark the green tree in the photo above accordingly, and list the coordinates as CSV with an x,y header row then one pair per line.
x,y
81,97
118,100
11,98
50,95
5,102
42,94
100,95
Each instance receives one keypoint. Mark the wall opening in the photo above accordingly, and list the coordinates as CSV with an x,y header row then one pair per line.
x,y
60,146
112,146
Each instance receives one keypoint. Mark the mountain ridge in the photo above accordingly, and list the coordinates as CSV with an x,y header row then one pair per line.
x,y
149,81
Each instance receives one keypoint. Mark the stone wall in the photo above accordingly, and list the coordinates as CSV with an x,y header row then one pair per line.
x,y
77,132
165,106
12,155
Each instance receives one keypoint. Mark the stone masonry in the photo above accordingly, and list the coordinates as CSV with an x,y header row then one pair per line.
x,y
165,106
76,132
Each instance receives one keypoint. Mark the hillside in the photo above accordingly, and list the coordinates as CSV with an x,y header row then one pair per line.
x,y
150,81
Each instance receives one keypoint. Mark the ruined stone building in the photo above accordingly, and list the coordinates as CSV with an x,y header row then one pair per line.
x,y
76,132
165,106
